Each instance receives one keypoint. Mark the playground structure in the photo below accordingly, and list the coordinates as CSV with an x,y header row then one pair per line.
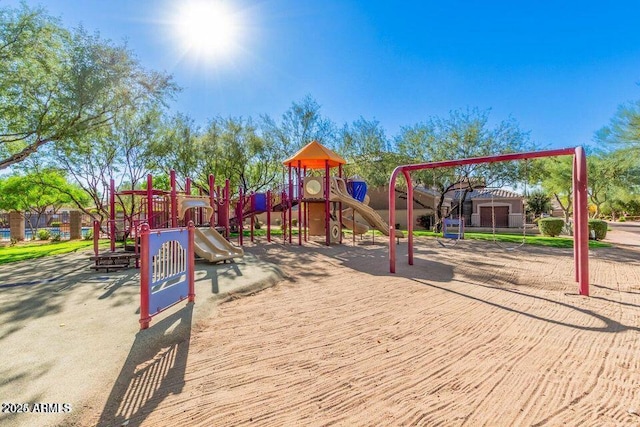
x,y
580,213
326,203
168,209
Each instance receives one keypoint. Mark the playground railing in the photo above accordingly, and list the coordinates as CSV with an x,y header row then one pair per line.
x,y
167,270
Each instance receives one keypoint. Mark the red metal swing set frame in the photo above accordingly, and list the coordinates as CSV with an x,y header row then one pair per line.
x,y
580,213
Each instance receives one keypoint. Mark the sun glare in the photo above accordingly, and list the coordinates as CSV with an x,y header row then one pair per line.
x,y
207,29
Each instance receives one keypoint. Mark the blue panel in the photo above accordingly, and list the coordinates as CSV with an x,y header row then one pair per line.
x,y
166,291
357,189
172,291
259,202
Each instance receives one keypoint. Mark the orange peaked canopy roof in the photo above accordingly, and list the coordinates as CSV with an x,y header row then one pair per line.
x,y
313,156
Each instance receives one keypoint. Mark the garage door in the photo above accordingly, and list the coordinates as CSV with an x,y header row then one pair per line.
x,y
502,216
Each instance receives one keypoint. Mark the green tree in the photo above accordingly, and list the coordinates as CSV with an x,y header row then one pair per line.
x,y
624,127
300,124
242,154
229,148
538,203
133,133
463,134
59,86
90,162
555,176
618,173
366,148
608,172
177,147
36,193
621,204
122,151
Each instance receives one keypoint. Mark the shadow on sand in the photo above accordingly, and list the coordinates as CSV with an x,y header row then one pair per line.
x,y
153,370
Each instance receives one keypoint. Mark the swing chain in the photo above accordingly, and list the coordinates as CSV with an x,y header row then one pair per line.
x,y
524,215
460,226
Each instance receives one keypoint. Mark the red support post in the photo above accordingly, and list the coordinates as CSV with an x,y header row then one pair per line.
x,y
340,208
290,205
582,215
174,199
150,201
215,200
136,242
144,278
576,242
212,200
192,262
299,187
283,203
187,192
269,207
200,210
253,223
225,206
327,203
96,237
219,199
112,214
306,210
392,217
407,177
239,210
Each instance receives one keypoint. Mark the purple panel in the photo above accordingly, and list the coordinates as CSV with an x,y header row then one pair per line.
x,y
168,268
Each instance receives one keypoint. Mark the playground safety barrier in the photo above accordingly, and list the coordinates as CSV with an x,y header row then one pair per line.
x,y
167,269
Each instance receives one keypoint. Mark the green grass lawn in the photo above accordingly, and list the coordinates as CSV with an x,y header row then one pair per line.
x,y
27,251
516,239
513,239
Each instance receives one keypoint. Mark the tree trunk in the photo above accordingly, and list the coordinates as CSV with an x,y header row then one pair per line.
x,y
437,214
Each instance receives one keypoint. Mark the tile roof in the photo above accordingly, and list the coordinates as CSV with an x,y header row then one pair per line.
x,y
487,193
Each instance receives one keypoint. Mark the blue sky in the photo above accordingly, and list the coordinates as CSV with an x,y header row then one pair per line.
x,y
559,68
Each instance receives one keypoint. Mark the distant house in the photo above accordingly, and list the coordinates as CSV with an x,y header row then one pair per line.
x,y
482,206
478,208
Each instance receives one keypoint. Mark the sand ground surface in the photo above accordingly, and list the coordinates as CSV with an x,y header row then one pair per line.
x,y
68,334
469,335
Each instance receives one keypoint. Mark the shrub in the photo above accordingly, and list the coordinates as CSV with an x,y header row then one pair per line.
x,y
89,235
599,228
294,222
551,226
257,224
55,224
56,237
622,219
425,221
44,234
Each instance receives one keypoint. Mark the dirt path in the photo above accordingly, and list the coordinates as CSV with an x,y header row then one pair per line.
x,y
467,336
